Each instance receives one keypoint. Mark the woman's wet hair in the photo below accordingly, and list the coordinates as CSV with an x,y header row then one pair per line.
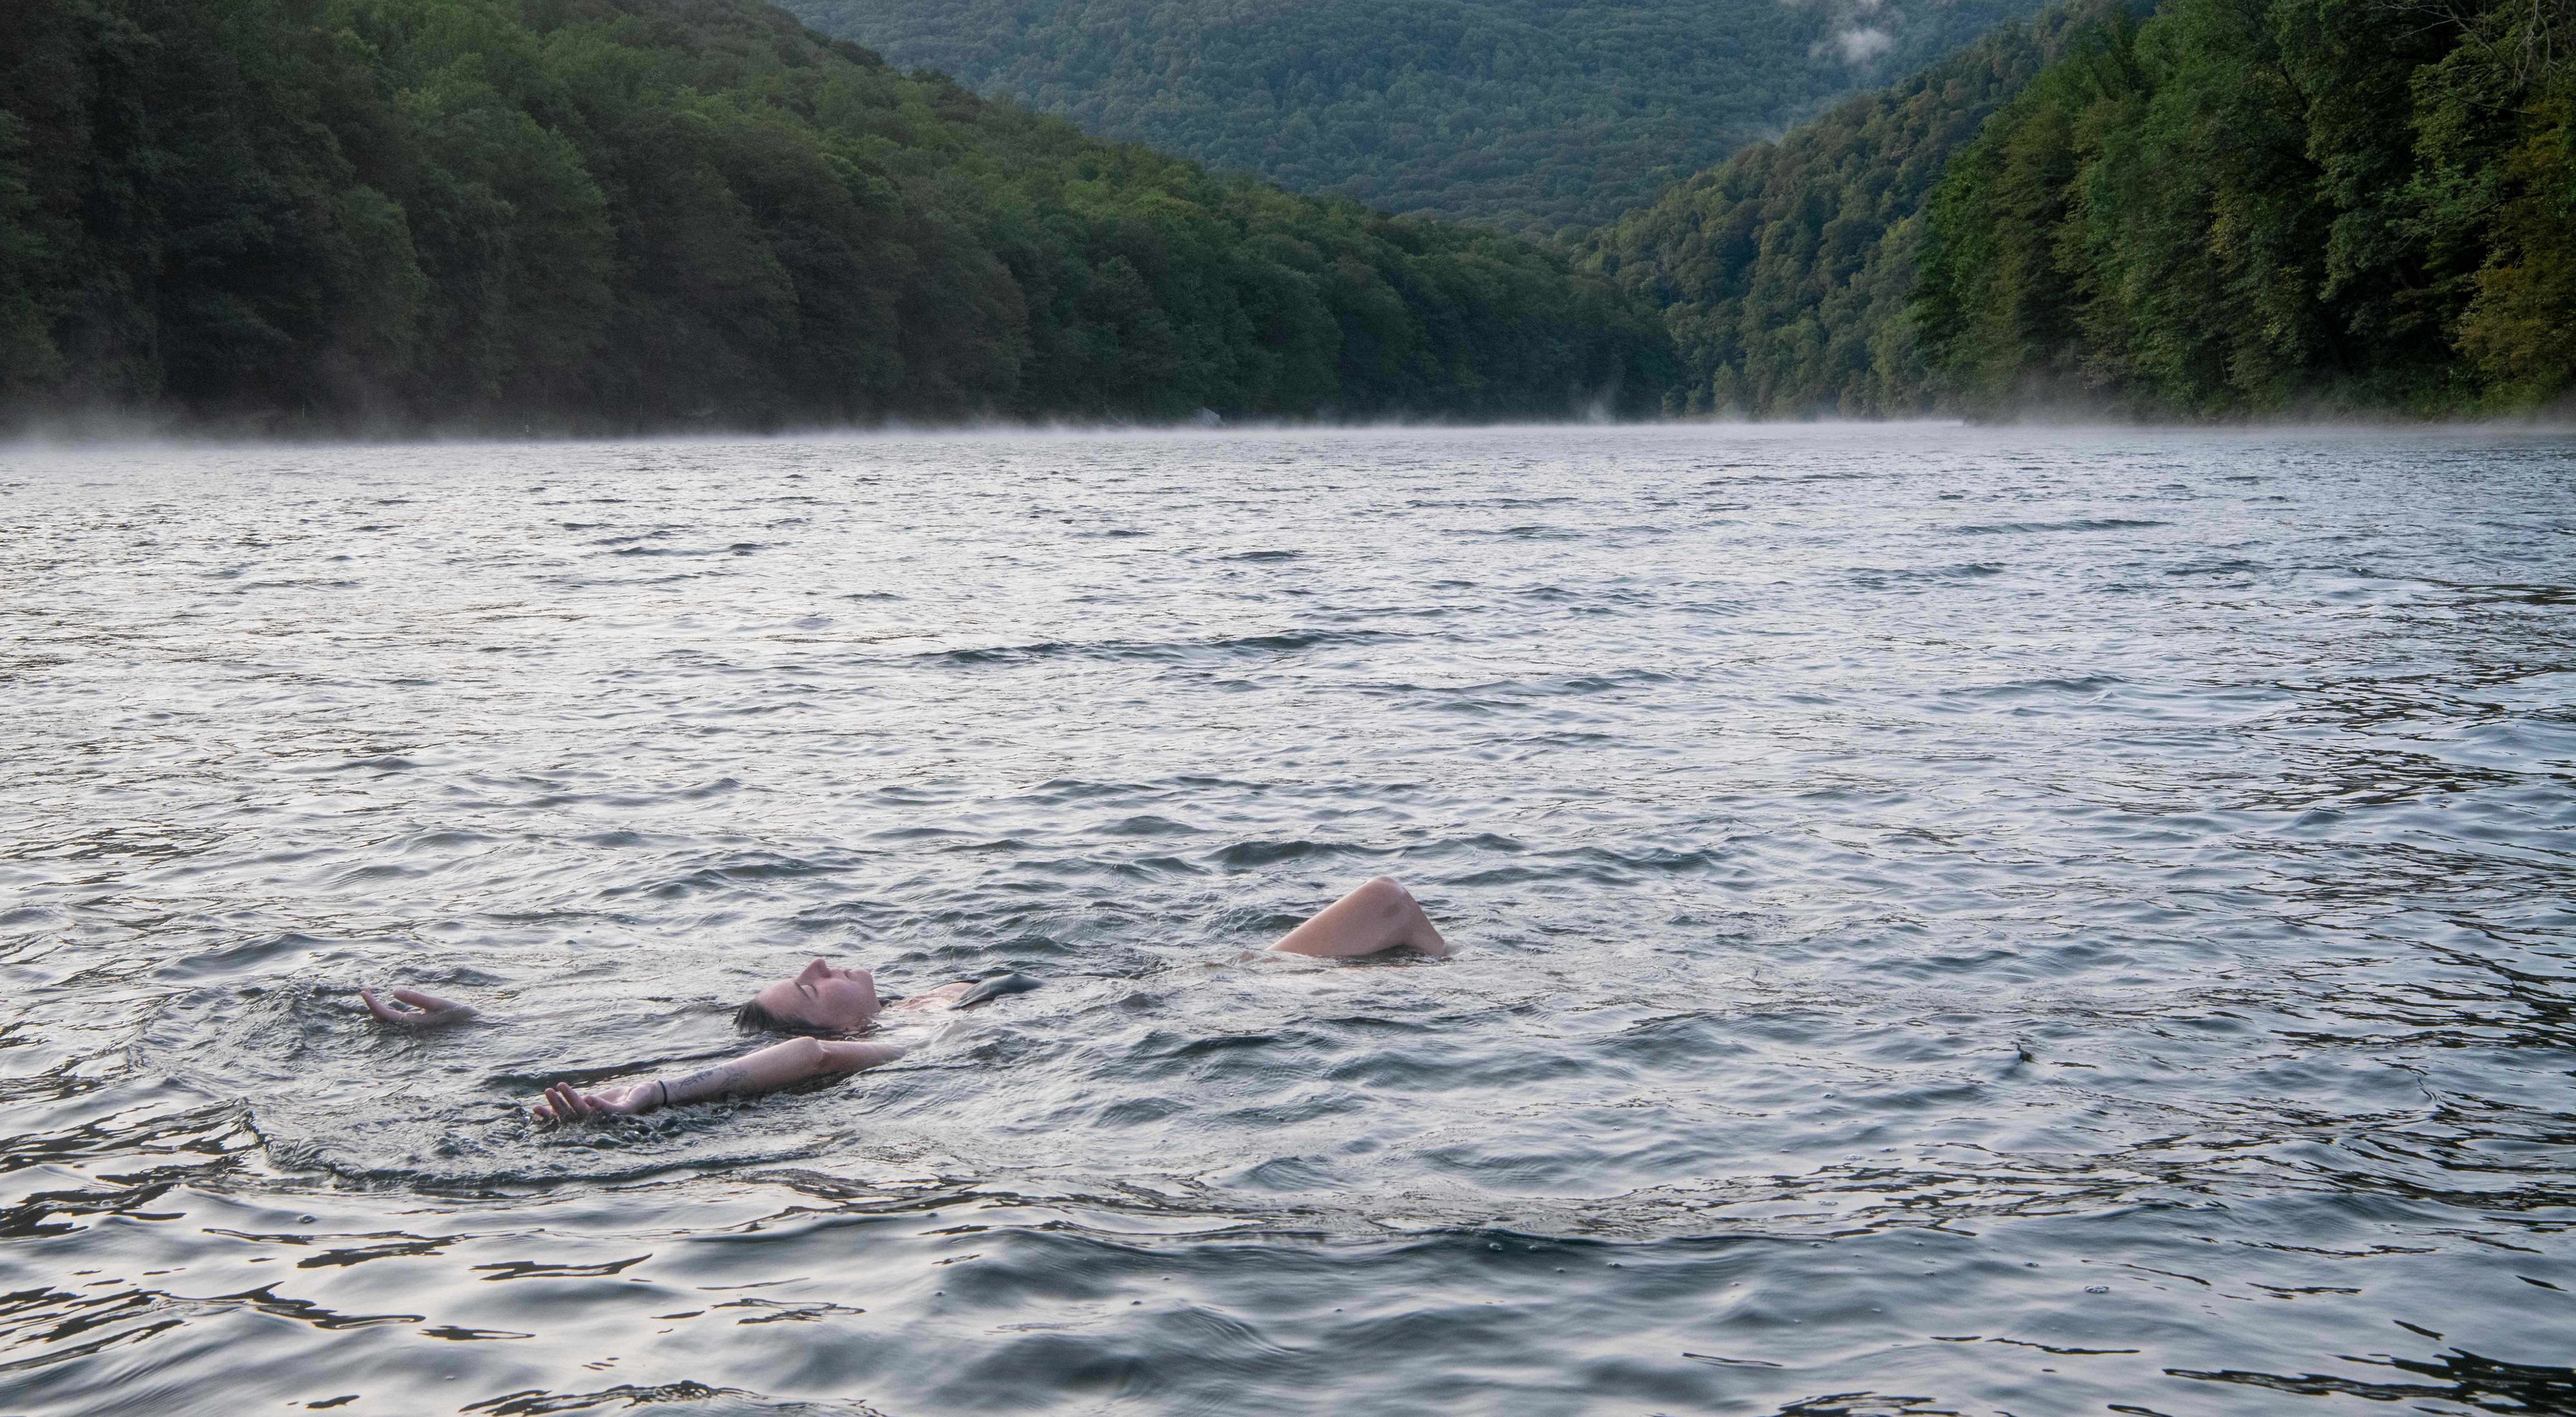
x,y
752,1018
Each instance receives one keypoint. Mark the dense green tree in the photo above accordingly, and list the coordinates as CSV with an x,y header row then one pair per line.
x,y
2496,183
1784,273
2233,207
2259,206
613,214
27,353
1998,212
1530,115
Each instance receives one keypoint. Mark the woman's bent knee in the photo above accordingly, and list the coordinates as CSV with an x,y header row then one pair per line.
x,y
1385,888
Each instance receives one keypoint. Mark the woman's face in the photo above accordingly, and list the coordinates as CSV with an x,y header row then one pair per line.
x,y
823,998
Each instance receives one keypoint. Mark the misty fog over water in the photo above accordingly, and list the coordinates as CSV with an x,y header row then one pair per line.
x,y
1947,920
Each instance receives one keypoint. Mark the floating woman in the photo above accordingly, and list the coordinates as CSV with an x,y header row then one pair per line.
x,y
822,1000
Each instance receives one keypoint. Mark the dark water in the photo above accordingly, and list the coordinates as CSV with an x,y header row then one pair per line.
x,y
1949,922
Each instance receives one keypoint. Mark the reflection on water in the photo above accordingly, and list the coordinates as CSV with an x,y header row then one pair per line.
x,y
1951,921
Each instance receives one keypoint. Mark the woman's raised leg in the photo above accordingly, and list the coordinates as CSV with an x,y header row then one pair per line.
x,y
1378,916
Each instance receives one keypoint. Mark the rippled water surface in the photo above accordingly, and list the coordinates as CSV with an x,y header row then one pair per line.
x,y
1949,921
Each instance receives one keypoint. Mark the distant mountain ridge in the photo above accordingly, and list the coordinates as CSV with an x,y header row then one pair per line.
x,y
1531,115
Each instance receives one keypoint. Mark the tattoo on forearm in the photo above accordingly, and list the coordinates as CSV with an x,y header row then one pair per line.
x,y
714,1081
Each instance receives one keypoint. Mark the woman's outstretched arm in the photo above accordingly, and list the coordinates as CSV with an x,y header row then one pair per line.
x,y
1378,916
776,1066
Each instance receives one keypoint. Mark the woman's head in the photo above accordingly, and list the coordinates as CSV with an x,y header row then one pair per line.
x,y
820,999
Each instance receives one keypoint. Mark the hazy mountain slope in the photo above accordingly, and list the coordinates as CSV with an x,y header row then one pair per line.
x,y
615,214
1530,114
1784,272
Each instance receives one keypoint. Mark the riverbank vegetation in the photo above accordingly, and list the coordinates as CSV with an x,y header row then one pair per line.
x,y
2227,208
2296,206
1784,272
609,215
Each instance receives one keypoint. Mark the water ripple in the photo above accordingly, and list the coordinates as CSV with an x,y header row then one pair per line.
x,y
1950,921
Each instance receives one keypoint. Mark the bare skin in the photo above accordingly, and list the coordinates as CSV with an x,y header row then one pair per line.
x,y
414,1009
1380,915
776,1066
823,997
832,1000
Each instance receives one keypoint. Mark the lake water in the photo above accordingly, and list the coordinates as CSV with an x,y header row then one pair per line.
x,y
1948,921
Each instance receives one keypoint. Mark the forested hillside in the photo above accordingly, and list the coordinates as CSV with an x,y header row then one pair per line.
x,y
1784,272
623,214
1529,115
2232,207
2257,206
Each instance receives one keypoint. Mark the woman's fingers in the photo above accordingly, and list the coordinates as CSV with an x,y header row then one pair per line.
x,y
567,1103
379,1010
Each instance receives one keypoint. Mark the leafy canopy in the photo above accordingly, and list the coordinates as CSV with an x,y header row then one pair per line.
x,y
1532,115
614,214
2234,207
1784,272
2258,206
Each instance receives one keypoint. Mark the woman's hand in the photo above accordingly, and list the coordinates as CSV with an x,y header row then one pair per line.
x,y
414,1009
566,1103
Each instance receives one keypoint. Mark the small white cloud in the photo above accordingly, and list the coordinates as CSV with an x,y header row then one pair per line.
x,y
1859,46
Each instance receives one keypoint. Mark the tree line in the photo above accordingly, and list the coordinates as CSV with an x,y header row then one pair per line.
x,y
1784,273
2224,208
623,215
2263,206
613,215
